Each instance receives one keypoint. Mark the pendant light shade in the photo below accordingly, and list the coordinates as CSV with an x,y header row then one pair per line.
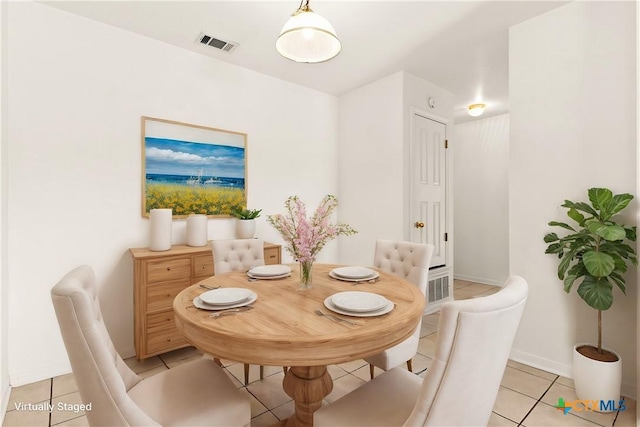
x,y
308,37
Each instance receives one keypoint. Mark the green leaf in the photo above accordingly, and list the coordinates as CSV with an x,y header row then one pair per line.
x,y
561,224
596,292
598,264
551,237
568,282
600,197
619,281
554,248
565,262
618,203
581,206
611,232
576,216
593,225
631,233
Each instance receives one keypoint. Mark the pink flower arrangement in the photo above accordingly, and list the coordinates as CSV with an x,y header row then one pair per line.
x,y
305,237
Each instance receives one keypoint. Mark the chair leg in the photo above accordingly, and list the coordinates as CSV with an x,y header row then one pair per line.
x,y
409,367
246,374
261,372
217,361
371,368
285,369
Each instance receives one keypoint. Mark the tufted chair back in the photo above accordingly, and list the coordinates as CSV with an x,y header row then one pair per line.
x,y
406,260
102,376
237,254
474,340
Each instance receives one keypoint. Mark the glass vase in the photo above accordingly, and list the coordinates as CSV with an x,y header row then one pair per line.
x,y
306,274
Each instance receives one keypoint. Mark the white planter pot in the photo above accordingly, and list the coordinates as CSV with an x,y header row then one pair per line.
x,y
245,228
595,380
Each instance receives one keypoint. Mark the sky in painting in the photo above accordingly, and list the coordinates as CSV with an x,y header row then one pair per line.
x,y
173,157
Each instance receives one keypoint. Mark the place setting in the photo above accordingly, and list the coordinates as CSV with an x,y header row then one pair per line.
x,y
354,274
225,301
358,304
269,272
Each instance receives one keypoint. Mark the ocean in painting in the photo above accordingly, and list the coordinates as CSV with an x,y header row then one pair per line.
x,y
198,180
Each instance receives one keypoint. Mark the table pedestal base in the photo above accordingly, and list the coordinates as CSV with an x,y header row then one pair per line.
x,y
307,386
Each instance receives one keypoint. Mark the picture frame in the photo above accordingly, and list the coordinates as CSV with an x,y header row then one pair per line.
x,y
192,169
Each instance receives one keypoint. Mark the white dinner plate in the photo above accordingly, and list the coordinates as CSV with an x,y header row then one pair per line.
x,y
201,304
375,275
357,301
225,296
281,276
353,272
384,310
270,270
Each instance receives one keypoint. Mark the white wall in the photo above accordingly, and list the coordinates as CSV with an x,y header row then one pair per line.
x,y
4,328
374,134
481,200
572,126
370,166
77,91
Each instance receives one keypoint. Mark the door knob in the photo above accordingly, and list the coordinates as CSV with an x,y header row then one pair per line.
x,y
419,224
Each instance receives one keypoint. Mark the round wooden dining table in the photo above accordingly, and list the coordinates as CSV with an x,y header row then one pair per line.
x,y
283,328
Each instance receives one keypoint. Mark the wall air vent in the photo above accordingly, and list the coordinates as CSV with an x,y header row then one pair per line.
x,y
224,45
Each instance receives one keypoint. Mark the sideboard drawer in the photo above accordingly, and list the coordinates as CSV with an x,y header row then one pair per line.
x,y
160,321
272,255
160,296
203,266
164,340
170,269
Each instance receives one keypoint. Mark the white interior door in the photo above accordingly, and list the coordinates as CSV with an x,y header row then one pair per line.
x,y
428,186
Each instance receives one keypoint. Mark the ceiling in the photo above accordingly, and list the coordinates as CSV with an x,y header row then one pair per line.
x,y
460,46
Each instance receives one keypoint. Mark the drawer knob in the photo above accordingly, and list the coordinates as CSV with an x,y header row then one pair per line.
x,y
168,268
204,267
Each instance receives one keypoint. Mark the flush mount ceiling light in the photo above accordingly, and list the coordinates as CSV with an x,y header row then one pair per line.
x,y
308,37
476,110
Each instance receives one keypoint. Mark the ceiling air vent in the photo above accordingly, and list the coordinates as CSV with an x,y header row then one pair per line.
x,y
224,45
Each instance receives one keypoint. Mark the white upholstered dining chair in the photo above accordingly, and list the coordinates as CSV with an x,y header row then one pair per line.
x,y
409,261
461,385
194,393
238,255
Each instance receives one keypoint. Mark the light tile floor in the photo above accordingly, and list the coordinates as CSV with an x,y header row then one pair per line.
x,y
526,398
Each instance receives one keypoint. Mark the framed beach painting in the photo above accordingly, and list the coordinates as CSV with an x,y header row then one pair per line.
x,y
192,169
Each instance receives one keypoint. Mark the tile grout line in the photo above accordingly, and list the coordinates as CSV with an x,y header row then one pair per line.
x,y
539,400
50,399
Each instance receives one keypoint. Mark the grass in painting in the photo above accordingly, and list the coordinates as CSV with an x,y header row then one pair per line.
x,y
197,200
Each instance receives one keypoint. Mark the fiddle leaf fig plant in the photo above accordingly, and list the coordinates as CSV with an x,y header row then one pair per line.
x,y
594,253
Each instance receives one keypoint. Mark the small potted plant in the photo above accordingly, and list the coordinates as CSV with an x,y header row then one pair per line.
x,y
594,255
245,222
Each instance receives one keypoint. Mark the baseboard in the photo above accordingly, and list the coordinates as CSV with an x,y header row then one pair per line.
x,y
541,363
475,279
627,389
28,377
4,402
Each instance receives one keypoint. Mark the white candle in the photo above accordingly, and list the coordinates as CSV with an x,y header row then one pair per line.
x,y
160,229
197,230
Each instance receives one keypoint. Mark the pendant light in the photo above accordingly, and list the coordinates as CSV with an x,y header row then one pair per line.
x,y
308,37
